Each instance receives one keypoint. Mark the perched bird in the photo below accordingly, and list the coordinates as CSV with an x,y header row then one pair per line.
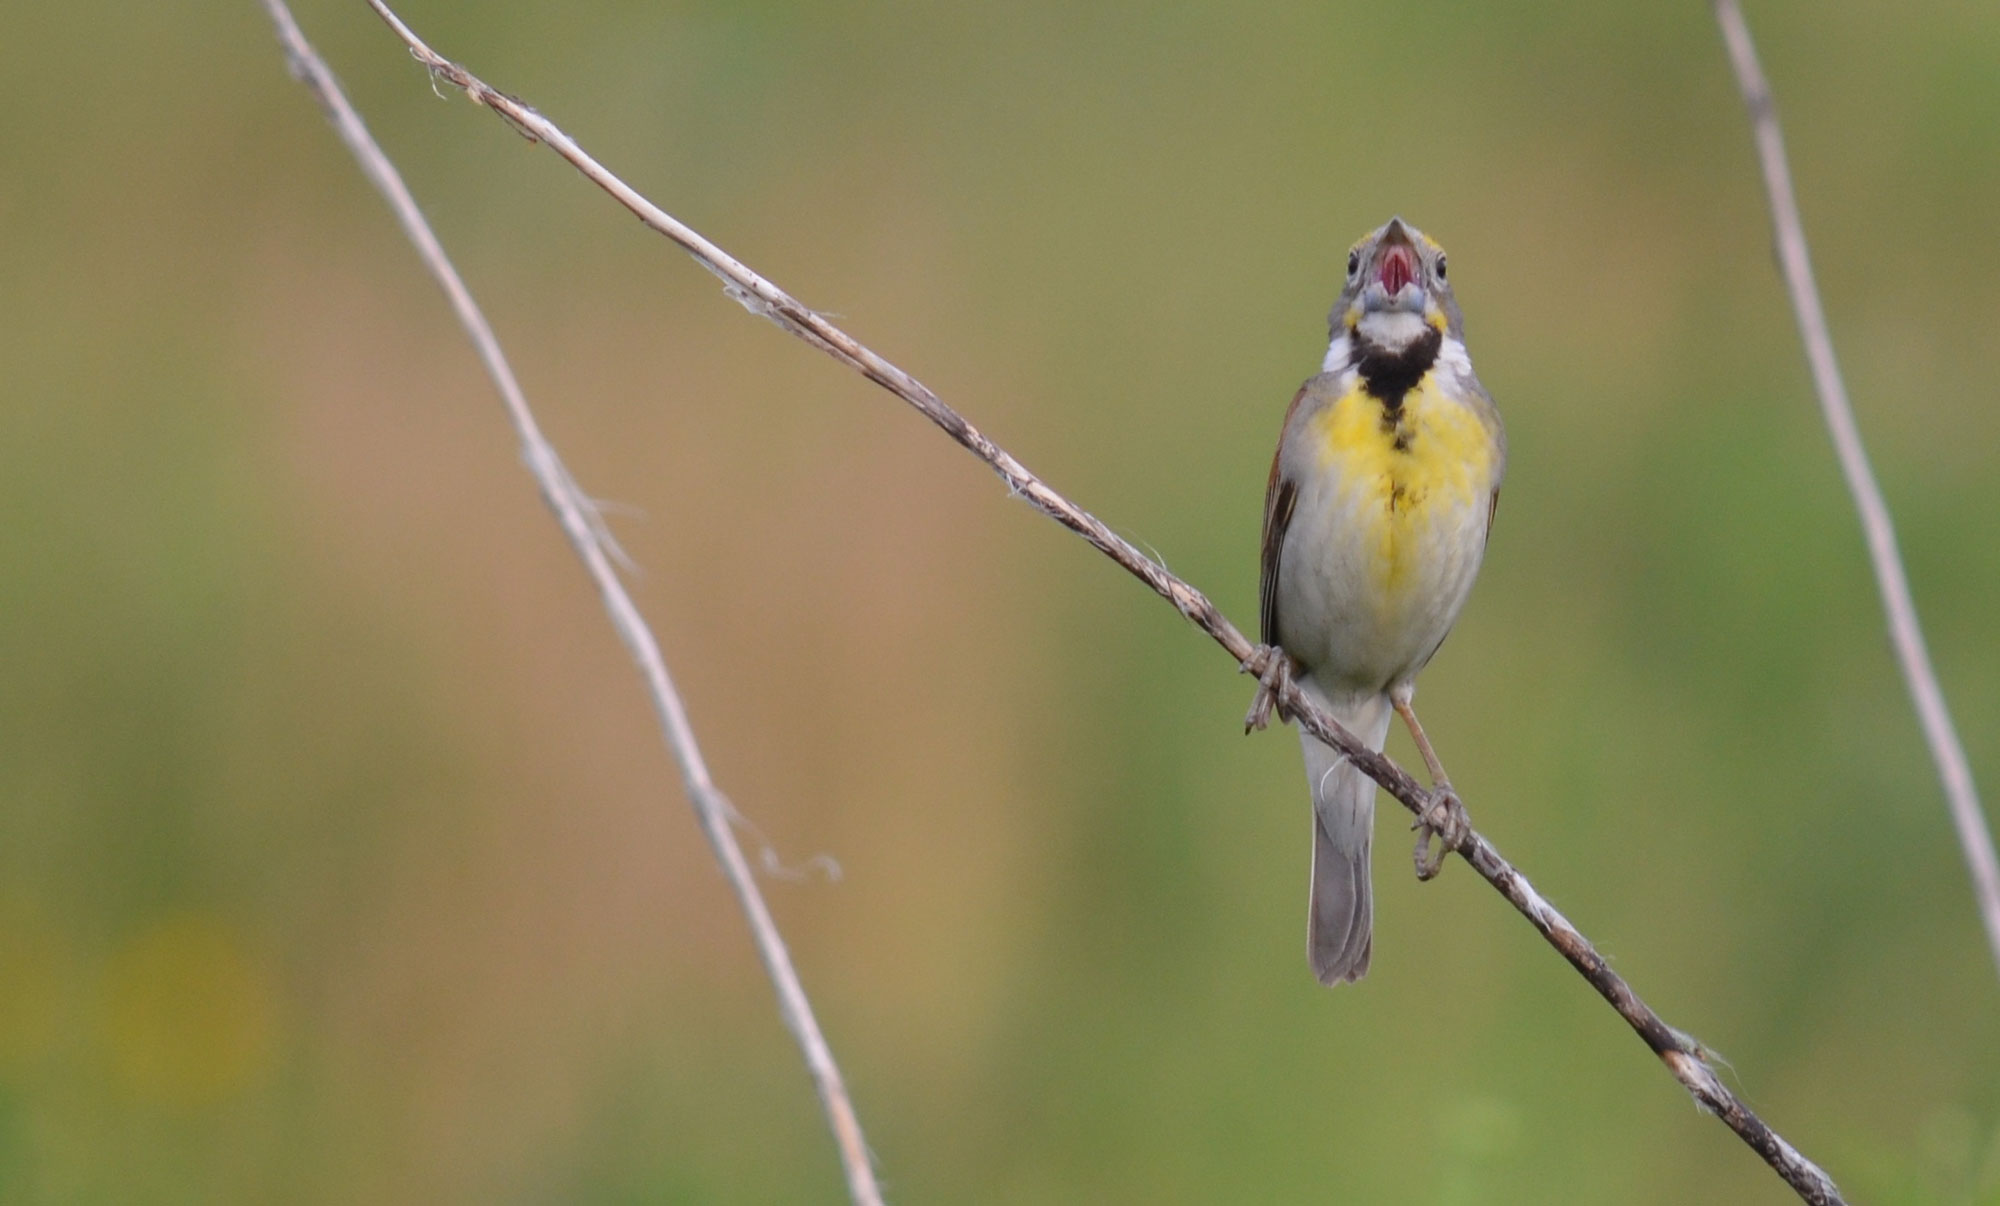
x,y
1381,496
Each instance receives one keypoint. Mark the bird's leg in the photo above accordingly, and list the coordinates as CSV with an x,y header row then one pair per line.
x,y
1273,668
1444,817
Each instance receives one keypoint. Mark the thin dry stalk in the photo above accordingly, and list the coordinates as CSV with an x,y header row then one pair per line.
x,y
1683,1056
1905,634
582,525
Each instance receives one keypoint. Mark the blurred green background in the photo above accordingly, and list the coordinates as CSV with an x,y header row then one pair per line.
x,y
340,860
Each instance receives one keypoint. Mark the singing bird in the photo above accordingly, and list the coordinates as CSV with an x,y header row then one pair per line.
x,y
1381,497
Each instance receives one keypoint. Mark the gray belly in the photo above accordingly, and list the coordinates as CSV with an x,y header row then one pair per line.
x,y
1366,594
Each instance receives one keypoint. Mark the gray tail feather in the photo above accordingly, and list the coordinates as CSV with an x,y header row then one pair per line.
x,y
1340,926
1340,931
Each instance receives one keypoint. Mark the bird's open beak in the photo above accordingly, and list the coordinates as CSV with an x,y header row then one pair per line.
x,y
1394,284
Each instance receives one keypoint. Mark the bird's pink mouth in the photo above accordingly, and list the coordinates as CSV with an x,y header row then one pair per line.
x,y
1399,268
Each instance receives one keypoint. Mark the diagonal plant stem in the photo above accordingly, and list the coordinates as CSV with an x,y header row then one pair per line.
x,y
1685,1058
582,525
1905,634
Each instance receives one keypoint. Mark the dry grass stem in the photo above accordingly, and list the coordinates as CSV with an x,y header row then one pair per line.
x,y
1905,634
583,526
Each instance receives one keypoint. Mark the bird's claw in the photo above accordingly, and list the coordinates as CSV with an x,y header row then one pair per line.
x,y
1444,818
1273,668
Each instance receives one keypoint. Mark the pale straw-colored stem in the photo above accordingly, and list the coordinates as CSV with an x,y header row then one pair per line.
x,y
581,524
1683,1057
1905,634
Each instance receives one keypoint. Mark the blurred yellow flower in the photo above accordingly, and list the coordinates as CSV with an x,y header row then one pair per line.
x,y
190,1015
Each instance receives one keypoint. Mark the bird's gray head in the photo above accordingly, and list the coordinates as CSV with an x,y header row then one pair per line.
x,y
1396,293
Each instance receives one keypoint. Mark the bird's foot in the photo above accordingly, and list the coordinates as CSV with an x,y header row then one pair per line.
x,y
1273,668
1444,818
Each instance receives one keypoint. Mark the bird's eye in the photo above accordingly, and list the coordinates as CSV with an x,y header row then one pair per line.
x,y
1440,268
1353,262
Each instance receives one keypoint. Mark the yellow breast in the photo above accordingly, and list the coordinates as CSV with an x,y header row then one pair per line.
x,y
1407,477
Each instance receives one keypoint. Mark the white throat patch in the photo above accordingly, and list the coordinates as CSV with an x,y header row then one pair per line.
x,y
1392,331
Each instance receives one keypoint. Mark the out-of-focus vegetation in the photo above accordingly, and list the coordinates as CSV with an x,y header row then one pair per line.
x,y
339,861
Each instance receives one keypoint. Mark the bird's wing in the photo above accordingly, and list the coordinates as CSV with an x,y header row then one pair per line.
x,y
1281,494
